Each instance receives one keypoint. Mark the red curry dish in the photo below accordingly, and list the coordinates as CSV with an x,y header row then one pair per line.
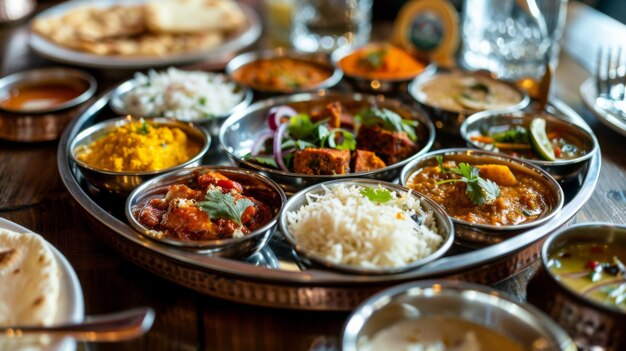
x,y
518,197
212,209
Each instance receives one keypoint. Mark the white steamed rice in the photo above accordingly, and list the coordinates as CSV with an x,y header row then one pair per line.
x,y
184,95
343,226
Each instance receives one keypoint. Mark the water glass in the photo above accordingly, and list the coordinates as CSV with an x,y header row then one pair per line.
x,y
324,25
504,37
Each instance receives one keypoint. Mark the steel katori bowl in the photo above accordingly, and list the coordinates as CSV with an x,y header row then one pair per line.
x,y
523,323
123,182
444,225
239,132
316,58
448,120
489,233
560,169
592,325
373,85
254,184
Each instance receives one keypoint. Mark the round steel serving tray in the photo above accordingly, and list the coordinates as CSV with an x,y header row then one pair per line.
x,y
289,283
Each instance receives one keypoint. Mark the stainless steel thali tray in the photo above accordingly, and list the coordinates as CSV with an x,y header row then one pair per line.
x,y
276,277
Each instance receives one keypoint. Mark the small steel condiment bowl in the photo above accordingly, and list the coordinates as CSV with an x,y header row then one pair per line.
x,y
444,225
591,324
449,121
122,183
391,86
254,184
487,233
240,130
252,56
213,124
523,323
560,169
42,124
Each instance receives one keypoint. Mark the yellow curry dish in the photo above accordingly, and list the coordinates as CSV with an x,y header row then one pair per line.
x,y
490,194
139,146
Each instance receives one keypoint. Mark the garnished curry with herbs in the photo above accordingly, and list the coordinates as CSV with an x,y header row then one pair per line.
x,y
381,62
492,194
211,208
282,74
595,271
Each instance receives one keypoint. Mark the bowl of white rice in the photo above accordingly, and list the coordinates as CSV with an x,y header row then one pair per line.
x,y
366,226
188,96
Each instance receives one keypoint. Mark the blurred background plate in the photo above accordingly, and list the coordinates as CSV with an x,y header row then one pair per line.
x,y
589,94
71,307
55,52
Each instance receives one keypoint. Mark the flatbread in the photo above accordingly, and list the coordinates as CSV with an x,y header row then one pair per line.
x,y
194,16
29,280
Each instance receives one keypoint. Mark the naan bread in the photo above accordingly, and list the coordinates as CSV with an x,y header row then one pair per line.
x,y
194,16
29,280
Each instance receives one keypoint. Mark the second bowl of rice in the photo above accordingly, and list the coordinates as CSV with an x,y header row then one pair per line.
x,y
366,226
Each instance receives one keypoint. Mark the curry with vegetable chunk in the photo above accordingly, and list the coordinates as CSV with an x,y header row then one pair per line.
x,y
214,207
282,74
595,271
492,194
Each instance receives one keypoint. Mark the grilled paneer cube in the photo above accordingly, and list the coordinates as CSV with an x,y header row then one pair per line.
x,y
363,160
391,147
321,161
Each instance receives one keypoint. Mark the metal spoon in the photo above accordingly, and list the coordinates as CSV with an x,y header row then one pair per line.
x,y
119,326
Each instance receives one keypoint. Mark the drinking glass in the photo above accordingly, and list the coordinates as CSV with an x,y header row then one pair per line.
x,y
278,14
324,25
504,37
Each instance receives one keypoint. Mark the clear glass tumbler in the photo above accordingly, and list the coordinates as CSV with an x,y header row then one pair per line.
x,y
504,37
324,25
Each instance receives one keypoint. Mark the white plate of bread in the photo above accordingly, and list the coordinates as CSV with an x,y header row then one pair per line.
x,y
135,34
38,286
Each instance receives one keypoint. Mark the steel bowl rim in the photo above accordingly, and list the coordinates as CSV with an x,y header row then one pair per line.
x,y
599,226
374,303
66,74
209,244
523,115
493,229
416,83
439,212
341,52
304,97
185,126
117,105
246,58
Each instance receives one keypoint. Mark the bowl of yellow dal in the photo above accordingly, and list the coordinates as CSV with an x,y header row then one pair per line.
x,y
118,154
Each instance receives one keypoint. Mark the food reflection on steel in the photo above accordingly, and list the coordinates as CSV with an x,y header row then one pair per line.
x,y
214,207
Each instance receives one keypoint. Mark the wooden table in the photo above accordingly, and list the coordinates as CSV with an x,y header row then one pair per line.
x,y
32,194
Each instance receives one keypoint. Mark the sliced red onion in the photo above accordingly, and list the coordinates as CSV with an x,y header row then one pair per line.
x,y
288,151
278,141
258,144
275,115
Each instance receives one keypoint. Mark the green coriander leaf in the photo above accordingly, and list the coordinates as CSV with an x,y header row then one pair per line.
x,y
387,120
202,100
262,160
480,191
442,169
143,129
517,135
373,59
340,139
379,196
220,205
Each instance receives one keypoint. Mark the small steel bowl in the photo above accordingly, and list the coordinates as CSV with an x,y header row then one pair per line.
x,y
42,124
213,124
122,183
255,184
444,224
487,233
450,121
559,169
239,131
592,325
250,57
474,303
374,85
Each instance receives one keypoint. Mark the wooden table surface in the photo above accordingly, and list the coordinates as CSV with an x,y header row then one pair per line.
x,y
32,194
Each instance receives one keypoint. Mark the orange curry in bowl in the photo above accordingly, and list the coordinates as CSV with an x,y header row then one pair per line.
x,y
282,74
386,62
491,194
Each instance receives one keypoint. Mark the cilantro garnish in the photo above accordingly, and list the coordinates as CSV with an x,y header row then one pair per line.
x,y
143,129
220,205
379,196
479,190
388,120
517,135
340,139
373,59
